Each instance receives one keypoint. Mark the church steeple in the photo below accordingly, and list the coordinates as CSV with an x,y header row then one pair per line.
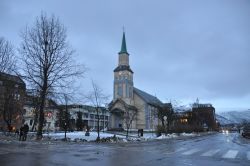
x,y
123,76
123,47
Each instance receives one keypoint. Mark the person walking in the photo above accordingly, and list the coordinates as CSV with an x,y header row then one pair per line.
x,y
25,132
21,133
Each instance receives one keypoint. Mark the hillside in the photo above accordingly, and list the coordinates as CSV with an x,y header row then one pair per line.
x,y
235,117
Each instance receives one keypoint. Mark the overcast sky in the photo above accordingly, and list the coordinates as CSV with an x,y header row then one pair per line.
x,y
179,49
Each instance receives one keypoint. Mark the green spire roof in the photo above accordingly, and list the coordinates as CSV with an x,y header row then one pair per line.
x,y
124,47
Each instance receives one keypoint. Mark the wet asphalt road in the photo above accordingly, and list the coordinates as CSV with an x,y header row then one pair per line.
x,y
211,150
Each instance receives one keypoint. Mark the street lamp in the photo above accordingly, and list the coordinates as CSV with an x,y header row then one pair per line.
x,y
65,130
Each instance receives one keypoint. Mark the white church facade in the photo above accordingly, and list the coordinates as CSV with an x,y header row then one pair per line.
x,y
131,106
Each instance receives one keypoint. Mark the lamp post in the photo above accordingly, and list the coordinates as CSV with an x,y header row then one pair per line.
x,y
65,130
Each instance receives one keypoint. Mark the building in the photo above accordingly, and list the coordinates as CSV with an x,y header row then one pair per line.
x,y
89,116
131,107
205,115
201,117
31,112
12,97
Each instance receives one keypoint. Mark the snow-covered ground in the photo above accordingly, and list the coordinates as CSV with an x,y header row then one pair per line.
x,y
132,137
79,135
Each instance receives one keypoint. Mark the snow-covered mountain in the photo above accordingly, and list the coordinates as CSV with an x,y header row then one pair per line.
x,y
182,108
235,117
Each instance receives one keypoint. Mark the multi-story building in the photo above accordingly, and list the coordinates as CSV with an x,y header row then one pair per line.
x,y
31,113
12,96
200,117
89,116
205,115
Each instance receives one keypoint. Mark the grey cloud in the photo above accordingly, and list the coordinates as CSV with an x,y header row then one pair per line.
x,y
178,49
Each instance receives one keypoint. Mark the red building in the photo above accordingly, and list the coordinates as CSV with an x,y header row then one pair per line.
x,y
12,96
201,117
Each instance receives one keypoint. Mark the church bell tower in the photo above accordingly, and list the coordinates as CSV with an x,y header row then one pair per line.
x,y
123,76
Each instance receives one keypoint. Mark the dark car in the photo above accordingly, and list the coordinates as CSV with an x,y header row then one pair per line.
x,y
246,131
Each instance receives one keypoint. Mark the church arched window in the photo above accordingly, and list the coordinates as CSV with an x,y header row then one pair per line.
x,y
120,90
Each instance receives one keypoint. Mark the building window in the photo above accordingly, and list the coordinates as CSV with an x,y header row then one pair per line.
x,y
130,92
127,90
92,116
184,120
85,115
119,90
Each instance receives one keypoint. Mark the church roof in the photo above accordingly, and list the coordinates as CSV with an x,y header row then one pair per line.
x,y
112,104
150,99
123,47
122,68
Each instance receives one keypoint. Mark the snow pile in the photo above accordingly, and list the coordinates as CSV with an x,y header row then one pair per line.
x,y
168,136
79,135
189,134
108,137
174,135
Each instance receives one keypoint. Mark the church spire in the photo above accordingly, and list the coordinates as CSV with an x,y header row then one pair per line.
x,y
123,47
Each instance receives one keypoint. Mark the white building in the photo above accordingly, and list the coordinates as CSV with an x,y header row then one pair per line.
x,y
89,116
50,112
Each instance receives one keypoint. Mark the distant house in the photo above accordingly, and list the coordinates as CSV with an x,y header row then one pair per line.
x,y
201,117
205,115
12,96
31,112
131,104
89,116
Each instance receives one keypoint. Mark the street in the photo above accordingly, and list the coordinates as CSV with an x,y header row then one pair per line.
x,y
216,149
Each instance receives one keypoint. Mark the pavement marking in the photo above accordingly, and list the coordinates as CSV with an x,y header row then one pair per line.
x,y
1,153
191,151
210,153
230,154
248,155
180,149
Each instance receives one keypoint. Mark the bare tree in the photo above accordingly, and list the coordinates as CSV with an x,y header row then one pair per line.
x,y
7,58
48,61
33,97
128,115
152,117
66,116
167,111
98,99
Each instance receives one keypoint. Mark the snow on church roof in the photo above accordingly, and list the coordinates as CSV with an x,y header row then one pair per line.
x,y
147,97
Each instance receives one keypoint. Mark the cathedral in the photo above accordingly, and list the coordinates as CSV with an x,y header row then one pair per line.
x,y
131,108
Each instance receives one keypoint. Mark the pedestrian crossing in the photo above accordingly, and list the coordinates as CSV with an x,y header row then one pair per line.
x,y
248,155
221,153
192,151
230,154
210,153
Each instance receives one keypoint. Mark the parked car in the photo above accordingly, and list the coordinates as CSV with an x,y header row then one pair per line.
x,y
246,131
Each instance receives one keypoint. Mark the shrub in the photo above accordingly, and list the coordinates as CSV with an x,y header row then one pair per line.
x,y
159,130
